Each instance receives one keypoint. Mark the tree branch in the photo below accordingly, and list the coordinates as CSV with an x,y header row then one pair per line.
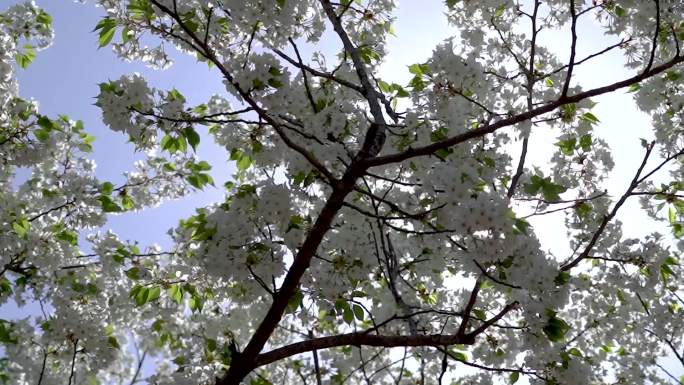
x,y
490,128
362,339
606,219
375,136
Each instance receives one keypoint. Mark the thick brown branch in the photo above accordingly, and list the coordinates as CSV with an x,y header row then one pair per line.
x,y
531,79
469,307
490,128
375,136
573,49
654,45
361,339
493,320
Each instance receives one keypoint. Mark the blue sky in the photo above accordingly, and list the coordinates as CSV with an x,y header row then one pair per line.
x,y
64,80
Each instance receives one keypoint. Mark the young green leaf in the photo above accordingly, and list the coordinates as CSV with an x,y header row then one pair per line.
x,y
107,28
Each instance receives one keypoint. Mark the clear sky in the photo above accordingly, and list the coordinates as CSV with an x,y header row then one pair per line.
x,y
64,80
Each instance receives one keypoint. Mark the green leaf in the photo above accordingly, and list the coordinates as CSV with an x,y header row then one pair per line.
x,y
275,83
175,292
6,332
575,352
170,167
107,28
589,118
196,181
294,302
555,329
536,183
127,203
480,314
26,56
551,191
260,381
401,92
672,215
244,163
45,123
419,69
321,104
678,230
192,136
127,35
139,294
568,112
168,143
562,278
514,377
87,144
348,315
666,272
5,287
500,10
44,18
120,255
108,205
583,209
133,273
567,146
141,10
42,135
368,55
21,227
195,303
175,95
202,166
451,3
113,342
461,356
358,312
549,83
154,293
417,83
585,142
211,344
296,222
672,76
521,225
107,188
158,325
70,237
189,20
671,261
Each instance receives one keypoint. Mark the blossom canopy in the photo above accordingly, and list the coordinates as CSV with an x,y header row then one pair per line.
x,y
373,232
